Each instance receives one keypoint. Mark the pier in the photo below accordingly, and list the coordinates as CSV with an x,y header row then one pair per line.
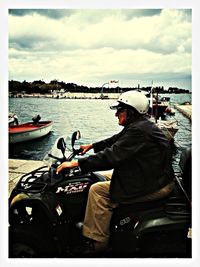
x,y
18,167
186,110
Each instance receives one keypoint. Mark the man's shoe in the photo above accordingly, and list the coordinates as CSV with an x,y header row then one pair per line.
x,y
99,246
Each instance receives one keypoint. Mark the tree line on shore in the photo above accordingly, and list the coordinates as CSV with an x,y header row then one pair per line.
x,y
41,87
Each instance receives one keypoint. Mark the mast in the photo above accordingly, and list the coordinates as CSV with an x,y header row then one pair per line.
x,y
151,99
151,103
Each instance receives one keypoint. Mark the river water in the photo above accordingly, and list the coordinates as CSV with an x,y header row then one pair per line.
x,y
92,117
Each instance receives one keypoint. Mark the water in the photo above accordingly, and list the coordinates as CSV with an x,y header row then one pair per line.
x,y
92,117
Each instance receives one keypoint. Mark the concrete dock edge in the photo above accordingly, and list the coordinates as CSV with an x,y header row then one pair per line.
x,y
18,167
186,110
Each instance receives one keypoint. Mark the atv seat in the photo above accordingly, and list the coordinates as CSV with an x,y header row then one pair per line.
x,y
174,204
100,176
141,207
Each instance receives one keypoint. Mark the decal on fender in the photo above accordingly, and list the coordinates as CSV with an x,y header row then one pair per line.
x,y
72,188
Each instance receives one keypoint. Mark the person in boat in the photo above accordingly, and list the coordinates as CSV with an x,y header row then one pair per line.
x,y
140,158
13,119
16,119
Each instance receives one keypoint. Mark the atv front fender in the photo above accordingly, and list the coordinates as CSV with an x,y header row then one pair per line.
x,y
38,209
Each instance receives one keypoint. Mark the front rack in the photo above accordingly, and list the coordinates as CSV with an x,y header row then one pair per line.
x,y
33,182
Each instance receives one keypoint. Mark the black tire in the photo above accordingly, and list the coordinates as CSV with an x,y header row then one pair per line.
x,y
22,250
27,241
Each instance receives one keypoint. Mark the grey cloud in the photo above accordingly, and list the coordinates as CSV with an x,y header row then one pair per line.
x,y
21,44
187,14
95,15
40,43
31,42
60,13
132,13
51,13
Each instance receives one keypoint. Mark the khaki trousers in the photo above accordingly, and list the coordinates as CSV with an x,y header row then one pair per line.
x,y
99,208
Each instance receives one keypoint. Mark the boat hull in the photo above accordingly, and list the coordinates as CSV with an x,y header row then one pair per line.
x,y
158,110
29,131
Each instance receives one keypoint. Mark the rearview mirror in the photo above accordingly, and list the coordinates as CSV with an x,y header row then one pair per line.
x,y
61,145
75,136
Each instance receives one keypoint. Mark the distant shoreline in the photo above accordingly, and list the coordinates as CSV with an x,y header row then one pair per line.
x,y
69,95
77,95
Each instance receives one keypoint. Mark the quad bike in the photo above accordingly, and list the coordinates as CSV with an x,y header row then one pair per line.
x,y
46,208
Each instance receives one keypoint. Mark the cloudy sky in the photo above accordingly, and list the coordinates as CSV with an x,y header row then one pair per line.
x,y
93,46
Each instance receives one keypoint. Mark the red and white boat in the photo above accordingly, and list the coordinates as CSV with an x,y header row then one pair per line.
x,y
29,130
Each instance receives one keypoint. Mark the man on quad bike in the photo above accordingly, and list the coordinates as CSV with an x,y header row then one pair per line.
x,y
140,157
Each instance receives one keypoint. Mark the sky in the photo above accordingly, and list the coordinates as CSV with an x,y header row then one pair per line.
x,y
95,46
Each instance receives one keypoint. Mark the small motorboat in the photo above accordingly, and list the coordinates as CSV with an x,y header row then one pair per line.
x,y
158,109
158,106
29,131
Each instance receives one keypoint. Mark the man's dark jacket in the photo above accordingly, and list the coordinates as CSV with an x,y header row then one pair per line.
x,y
141,159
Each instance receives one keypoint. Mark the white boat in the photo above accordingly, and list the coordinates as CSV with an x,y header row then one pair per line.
x,y
29,131
169,127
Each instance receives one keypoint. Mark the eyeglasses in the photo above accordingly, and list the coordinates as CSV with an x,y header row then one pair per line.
x,y
120,109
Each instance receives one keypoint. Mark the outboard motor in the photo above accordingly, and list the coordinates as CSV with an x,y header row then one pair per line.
x,y
36,119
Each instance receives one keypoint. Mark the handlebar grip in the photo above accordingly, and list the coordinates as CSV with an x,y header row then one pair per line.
x,y
54,157
78,151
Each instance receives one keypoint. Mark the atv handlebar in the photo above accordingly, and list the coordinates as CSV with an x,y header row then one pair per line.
x,y
54,157
62,146
77,151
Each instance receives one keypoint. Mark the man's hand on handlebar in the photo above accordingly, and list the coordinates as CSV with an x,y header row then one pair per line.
x,y
66,164
72,164
85,148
